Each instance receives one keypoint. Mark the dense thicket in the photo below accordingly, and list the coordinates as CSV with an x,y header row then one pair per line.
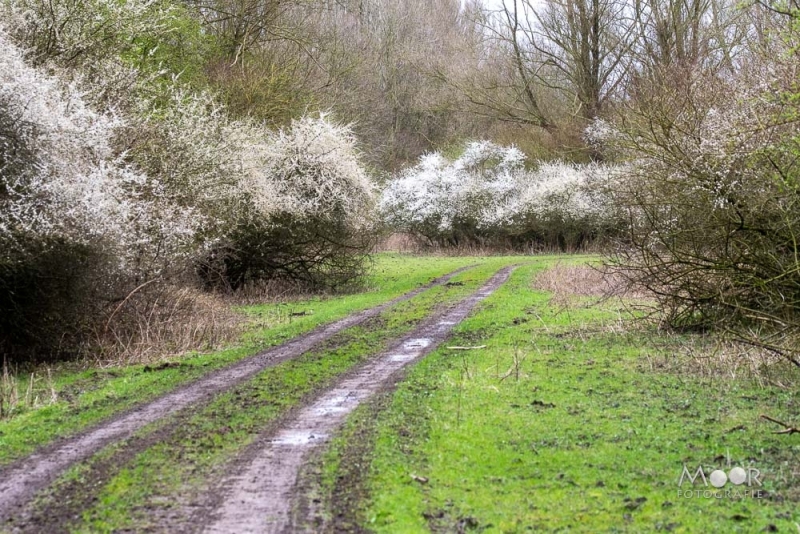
x,y
119,179
712,192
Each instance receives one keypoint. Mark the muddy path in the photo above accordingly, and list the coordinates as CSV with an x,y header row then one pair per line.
x,y
339,508
21,480
259,493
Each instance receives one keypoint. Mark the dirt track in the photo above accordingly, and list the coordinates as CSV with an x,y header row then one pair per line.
x,y
20,481
259,494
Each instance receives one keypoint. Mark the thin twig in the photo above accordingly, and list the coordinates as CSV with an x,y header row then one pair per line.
x,y
788,429
121,304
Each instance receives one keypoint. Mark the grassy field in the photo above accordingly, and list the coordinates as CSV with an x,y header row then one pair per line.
x,y
564,414
572,419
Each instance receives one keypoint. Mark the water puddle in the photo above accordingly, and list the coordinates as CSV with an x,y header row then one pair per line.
x,y
298,437
418,343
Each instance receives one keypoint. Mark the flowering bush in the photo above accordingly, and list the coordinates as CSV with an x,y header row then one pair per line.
x,y
599,137
117,52
487,195
295,203
308,210
567,205
95,205
313,168
448,201
713,199
73,217
199,155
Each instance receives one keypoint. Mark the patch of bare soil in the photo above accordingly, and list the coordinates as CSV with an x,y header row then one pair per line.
x,y
61,510
62,503
21,480
258,494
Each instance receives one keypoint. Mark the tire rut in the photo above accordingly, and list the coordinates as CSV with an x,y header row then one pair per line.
x,y
257,497
21,480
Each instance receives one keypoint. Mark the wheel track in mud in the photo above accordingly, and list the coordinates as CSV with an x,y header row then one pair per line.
x,y
258,495
21,480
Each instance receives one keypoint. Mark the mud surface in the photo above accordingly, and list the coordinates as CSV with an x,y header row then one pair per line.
x,y
258,495
339,508
21,480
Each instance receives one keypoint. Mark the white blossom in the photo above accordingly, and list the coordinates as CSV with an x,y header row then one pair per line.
x,y
489,186
311,168
63,179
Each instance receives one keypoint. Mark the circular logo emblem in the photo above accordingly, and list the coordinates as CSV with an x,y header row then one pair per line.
x,y
738,476
718,478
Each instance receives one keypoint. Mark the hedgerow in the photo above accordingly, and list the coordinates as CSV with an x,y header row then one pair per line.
x,y
487,196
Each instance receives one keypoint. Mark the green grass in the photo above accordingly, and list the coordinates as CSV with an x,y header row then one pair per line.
x,y
584,435
87,394
206,437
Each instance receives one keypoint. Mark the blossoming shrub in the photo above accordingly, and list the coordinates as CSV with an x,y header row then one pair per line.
x,y
308,213
294,204
453,202
102,213
197,154
713,198
67,207
487,196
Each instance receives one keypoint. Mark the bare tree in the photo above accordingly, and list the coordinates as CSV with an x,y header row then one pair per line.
x,y
672,30
498,76
588,43
391,92
243,24
549,66
688,33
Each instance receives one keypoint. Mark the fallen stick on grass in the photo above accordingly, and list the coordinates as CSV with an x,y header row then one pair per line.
x,y
468,348
788,429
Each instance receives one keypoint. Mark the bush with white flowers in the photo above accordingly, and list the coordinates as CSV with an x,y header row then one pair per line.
x,y
75,221
714,199
314,168
447,201
95,205
306,212
294,203
487,196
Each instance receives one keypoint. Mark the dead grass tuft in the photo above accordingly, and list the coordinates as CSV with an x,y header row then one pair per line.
x,y
153,324
574,281
271,291
713,357
163,322
399,242
412,244
22,391
569,282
